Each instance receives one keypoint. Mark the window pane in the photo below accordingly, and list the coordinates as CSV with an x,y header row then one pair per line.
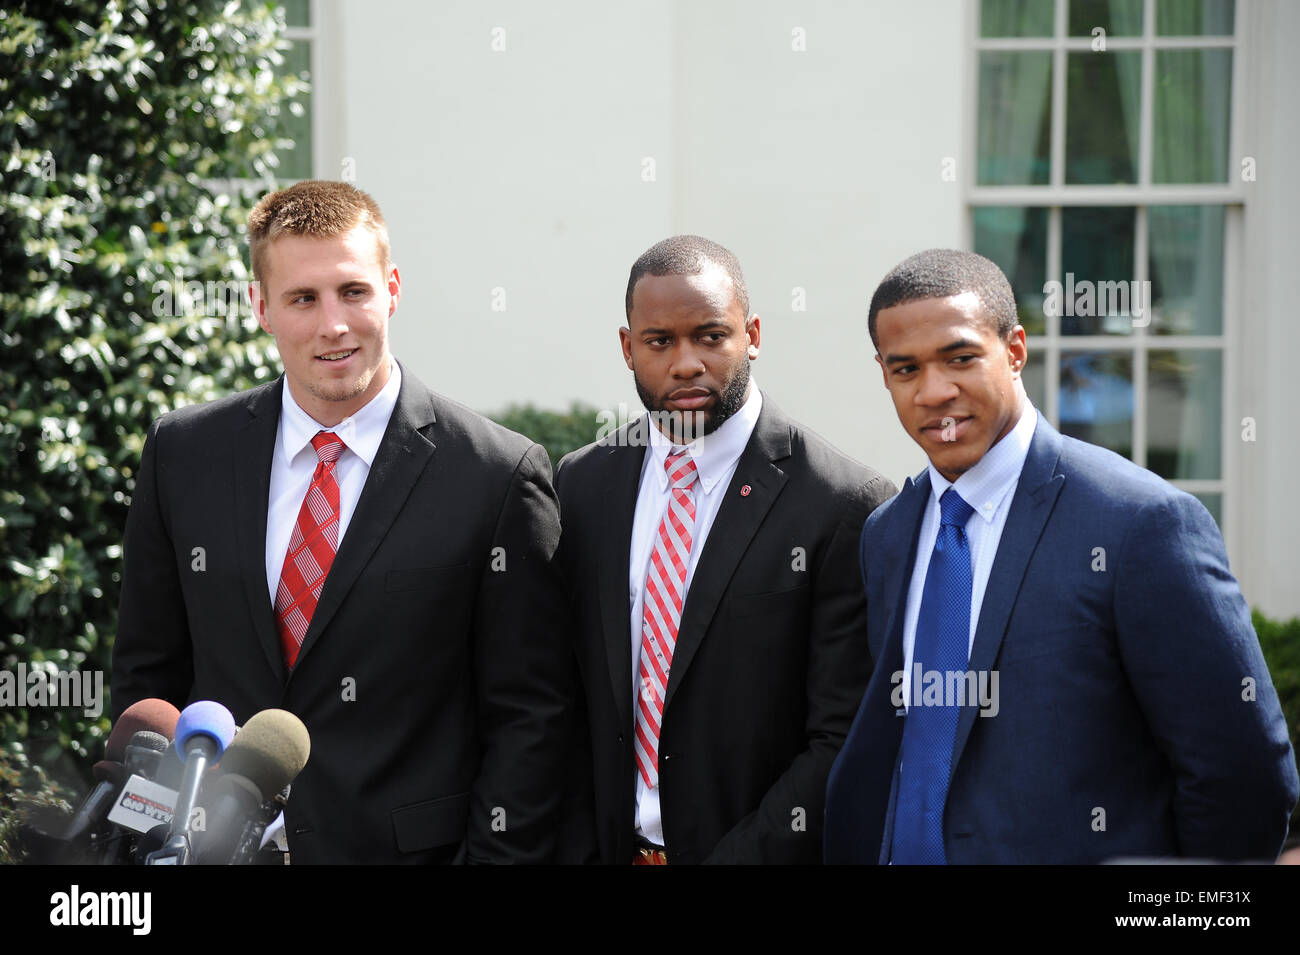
x,y
1034,374
1214,504
297,13
295,163
1096,400
1015,237
1184,413
1193,97
1116,17
1194,17
1101,117
1186,268
1096,288
1016,17
1015,118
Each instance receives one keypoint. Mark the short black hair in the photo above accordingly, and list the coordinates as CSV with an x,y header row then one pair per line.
x,y
688,255
942,273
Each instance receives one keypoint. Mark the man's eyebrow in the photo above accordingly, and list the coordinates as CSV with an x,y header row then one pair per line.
x,y
312,290
960,343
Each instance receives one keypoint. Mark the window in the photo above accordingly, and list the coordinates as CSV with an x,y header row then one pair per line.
x,y
1105,188
297,124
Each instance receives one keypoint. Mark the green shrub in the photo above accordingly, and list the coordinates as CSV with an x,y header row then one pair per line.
x,y
123,127
1280,641
559,432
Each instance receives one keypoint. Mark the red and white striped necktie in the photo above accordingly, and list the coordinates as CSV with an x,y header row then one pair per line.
x,y
665,593
312,546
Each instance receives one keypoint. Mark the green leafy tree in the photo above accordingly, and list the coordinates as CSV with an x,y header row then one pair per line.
x,y
133,140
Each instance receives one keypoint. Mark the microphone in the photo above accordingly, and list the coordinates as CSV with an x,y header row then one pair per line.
x,y
143,801
267,754
203,732
152,721
113,842
152,715
110,775
150,842
145,752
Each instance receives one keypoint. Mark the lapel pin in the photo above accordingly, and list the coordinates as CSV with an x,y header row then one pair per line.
x,y
744,491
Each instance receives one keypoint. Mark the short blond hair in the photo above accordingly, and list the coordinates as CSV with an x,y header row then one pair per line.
x,y
318,208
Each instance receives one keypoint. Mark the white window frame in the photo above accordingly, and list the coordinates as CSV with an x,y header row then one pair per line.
x,y
1232,195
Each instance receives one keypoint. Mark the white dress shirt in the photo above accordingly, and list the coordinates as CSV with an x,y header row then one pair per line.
x,y
294,462
716,456
988,487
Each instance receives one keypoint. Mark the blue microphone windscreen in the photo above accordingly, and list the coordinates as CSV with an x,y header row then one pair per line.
x,y
206,718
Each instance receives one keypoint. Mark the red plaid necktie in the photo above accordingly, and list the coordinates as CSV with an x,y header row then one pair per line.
x,y
311,549
665,592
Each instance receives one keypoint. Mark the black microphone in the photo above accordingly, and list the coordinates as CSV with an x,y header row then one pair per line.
x,y
113,843
267,754
145,752
151,841
203,732
94,808
143,724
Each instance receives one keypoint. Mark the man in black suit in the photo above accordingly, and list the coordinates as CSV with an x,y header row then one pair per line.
x,y
711,554
345,544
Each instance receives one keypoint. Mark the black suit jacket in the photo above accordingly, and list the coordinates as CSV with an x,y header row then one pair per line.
x,y
771,656
435,676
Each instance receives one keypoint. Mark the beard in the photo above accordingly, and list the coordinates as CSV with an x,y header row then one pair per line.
x,y
683,427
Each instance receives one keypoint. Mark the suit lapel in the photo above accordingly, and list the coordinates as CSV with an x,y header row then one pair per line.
x,y
1035,496
401,459
734,527
904,524
615,542
254,449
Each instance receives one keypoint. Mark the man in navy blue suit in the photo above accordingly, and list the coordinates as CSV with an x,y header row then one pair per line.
x,y
1065,670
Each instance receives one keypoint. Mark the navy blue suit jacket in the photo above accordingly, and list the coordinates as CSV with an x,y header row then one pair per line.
x,y
1135,714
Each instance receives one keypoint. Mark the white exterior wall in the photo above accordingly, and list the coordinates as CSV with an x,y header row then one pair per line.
x,y
820,168
1266,556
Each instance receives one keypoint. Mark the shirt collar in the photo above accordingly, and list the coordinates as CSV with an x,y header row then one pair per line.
x,y
714,454
362,432
985,485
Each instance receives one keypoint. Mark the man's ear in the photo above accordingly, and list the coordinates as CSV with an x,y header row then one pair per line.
x,y
754,332
625,342
884,372
1017,350
259,305
394,290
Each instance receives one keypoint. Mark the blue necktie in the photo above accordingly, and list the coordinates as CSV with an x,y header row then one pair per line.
x,y
942,644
